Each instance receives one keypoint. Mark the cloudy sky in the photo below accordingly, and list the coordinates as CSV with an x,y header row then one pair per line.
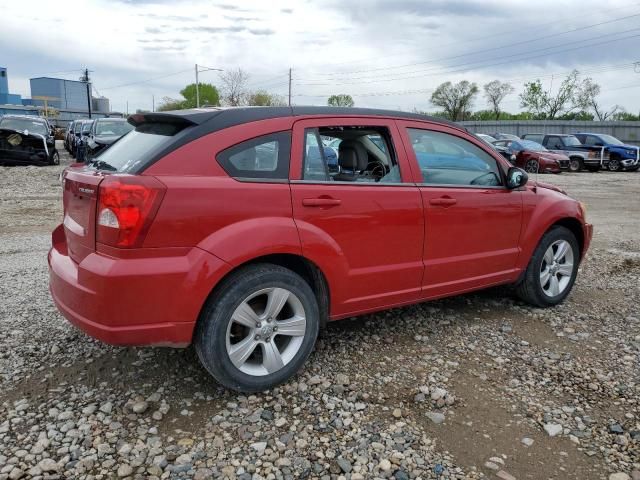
x,y
385,53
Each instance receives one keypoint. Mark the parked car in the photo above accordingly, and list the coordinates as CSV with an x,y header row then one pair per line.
x,y
505,136
621,156
533,157
175,235
486,138
580,156
82,141
77,133
104,132
27,139
67,136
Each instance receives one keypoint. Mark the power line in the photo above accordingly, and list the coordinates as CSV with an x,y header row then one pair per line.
x,y
147,80
343,74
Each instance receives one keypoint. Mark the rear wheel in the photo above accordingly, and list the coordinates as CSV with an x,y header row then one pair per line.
x,y
55,158
258,329
575,164
532,166
552,269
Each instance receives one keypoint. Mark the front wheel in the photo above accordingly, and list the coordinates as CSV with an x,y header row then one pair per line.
x,y
552,269
531,166
55,158
575,164
614,165
258,329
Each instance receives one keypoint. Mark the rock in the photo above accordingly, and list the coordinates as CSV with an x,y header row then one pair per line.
x,y
527,441
203,474
106,407
384,465
281,422
435,417
619,476
399,475
140,407
491,466
16,473
552,429
615,428
259,447
342,379
397,413
48,465
124,470
505,475
635,475
344,465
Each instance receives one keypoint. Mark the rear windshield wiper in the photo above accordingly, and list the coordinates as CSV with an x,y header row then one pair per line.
x,y
102,165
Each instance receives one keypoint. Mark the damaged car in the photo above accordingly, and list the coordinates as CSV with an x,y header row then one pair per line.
x,y
27,139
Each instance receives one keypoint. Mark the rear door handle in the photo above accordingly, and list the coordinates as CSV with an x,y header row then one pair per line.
x,y
321,202
443,201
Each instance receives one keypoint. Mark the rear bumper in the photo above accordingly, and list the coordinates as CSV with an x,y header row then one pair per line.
x,y
133,301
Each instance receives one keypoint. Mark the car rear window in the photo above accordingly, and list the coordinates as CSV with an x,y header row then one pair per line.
x,y
135,148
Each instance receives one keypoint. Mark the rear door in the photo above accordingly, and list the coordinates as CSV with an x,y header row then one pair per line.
x,y
472,221
363,228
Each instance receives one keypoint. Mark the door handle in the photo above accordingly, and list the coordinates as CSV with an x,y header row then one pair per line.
x,y
443,201
321,202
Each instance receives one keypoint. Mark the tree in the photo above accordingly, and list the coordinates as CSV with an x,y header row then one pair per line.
x,y
340,100
456,100
168,104
544,105
587,97
262,98
495,92
234,87
208,95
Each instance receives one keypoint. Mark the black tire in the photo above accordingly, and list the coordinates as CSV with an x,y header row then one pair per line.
x,y
575,164
55,158
614,165
532,166
211,331
530,289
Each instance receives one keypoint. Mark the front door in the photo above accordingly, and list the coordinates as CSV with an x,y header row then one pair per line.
x,y
472,221
361,221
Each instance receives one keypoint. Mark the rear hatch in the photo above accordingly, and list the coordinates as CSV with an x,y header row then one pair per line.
x,y
80,198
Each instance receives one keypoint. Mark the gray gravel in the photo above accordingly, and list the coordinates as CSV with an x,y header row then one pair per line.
x,y
479,386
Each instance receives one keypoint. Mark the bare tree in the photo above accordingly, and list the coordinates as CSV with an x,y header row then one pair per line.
x,y
544,104
587,98
234,87
456,100
495,92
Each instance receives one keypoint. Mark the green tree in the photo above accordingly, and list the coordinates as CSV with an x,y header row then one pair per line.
x,y
456,100
262,98
543,104
340,100
495,92
209,95
167,104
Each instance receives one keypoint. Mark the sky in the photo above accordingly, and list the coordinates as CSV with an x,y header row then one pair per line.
x,y
385,53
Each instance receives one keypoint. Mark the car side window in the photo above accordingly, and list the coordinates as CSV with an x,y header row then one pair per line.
x,y
591,140
450,160
265,157
350,153
554,143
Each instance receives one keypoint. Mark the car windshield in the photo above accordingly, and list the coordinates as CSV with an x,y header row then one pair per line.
x,y
86,127
533,146
608,139
571,141
22,124
113,127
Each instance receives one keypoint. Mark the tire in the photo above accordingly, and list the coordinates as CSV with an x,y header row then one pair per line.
x,y
575,164
55,159
531,289
614,165
218,336
532,166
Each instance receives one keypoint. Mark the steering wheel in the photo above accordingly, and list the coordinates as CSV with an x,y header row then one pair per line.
x,y
376,169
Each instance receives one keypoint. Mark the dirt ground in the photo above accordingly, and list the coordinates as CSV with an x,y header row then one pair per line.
x,y
467,387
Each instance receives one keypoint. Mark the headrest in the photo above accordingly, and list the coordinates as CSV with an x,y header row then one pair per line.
x,y
352,155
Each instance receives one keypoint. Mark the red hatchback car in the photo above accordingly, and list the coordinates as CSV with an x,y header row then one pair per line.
x,y
227,228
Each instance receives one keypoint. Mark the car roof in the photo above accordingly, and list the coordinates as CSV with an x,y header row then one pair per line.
x,y
218,118
25,117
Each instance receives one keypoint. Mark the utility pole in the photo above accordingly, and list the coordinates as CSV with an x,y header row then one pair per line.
x,y
289,87
85,79
197,89
153,103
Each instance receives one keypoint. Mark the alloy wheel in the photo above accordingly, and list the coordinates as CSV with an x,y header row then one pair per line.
x,y
531,166
266,331
614,165
557,268
574,165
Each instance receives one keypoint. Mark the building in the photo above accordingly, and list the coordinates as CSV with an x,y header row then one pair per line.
x,y
7,98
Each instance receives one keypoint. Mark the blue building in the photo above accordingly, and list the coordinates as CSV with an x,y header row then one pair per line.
x,y
64,94
7,98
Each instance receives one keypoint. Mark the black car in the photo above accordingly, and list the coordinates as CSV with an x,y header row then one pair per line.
x,y
75,136
104,132
26,139
580,156
81,143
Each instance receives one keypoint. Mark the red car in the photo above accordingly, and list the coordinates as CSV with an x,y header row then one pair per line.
x,y
533,157
225,228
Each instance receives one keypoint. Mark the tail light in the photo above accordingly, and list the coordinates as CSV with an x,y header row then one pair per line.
x,y
127,205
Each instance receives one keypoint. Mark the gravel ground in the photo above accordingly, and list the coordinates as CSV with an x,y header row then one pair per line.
x,y
478,386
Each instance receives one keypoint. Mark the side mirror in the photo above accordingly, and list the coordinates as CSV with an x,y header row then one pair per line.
x,y
516,178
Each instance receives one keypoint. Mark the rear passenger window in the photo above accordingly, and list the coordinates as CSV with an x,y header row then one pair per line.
x,y
265,157
449,160
350,154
